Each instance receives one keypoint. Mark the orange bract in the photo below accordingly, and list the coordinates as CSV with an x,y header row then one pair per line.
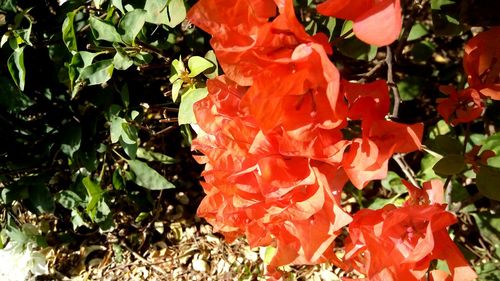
x,y
400,243
376,22
244,39
482,62
460,107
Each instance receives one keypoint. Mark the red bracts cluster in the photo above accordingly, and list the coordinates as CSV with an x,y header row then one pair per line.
x,y
281,133
482,67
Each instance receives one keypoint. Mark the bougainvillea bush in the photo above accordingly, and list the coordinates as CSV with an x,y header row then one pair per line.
x,y
283,133
355,139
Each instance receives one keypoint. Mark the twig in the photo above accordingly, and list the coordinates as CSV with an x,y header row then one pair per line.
x,y
410,175
391,84
141,258
447,192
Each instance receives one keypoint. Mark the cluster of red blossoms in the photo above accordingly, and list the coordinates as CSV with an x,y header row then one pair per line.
x,y
282,134
482,66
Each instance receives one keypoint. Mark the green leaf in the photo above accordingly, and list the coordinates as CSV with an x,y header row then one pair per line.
x,y
77,219
441,128
445,17
347,28
176,87
417,31
95,74
103,30
356,49
131,24
95,194
492,143
445,144
449,165
68,199
393,183
197,65
15,63
148,178
68,33
410,87
423,51
168,12
379,203
129,148
40,199
71,139
154,156
210,55
118,4
489,226
129,133
116,128
487,182
118,181
121,60
186,114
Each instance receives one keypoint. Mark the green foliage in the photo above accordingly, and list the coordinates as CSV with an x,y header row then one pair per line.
x,y
76,88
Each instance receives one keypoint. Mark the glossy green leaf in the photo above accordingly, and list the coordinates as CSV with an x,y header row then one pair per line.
x,y
69,199
487,182
148,178
210,55
186,114
118,4
445,144
197,65
15,63
168,12
95,193
176,87
417,31
441,128
96,73
40,199
131,24
445,17
356,49
68,33
393,183
154,156
121,60
103,30
449,165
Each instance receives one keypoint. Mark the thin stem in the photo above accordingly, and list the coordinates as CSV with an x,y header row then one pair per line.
x,y
447,191
390,82
410,175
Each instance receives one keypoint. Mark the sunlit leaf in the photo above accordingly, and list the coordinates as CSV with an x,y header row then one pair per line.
x,y
186,114
103,30
15,63
131,24
68,33
147,177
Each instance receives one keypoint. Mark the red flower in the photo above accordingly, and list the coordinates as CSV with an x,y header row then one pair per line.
x,y
482,62
244,39
400,243
376,22
460,107
476,159
289,202
302,92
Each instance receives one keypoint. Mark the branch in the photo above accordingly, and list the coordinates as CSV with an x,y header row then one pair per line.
x,y
392,86
410,175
